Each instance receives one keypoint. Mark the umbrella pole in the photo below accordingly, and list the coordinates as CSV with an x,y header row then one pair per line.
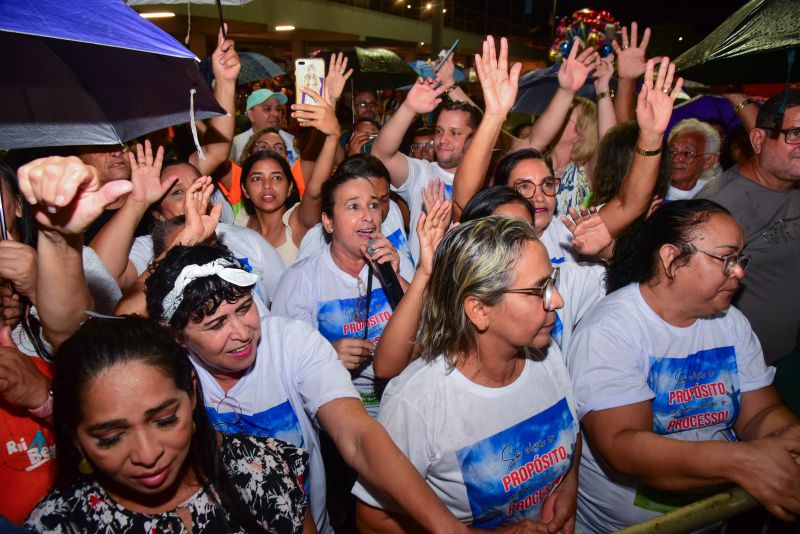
x,y
221,20
352,101
3,230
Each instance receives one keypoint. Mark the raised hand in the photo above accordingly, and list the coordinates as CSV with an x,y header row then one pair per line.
x,y
432,193
431,227
66,194
357,141
338,74
424,96
447,72
383,252
321,115
575,69
199,225
353,352
21,382
603,71
631,58
10,307
499,84
18,266
657,97
225,63
146,175
591,235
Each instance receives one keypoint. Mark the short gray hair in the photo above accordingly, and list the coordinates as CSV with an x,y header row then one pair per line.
x,y
712,142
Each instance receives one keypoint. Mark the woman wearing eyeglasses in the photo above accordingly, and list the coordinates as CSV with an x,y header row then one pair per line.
x,y
484,415
527,171
671,386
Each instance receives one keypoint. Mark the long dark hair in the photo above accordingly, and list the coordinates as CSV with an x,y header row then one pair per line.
x,y
636,253
26,224
294,195
101,344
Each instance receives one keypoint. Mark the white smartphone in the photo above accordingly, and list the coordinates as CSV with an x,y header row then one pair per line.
x,y
308,73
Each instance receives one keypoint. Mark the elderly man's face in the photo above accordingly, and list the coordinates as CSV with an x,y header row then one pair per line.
x,y
687,150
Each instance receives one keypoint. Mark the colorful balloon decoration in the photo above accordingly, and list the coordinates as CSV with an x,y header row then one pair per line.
x,y
595,28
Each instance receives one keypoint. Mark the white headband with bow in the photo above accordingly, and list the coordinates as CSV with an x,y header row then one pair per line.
x,y
224,268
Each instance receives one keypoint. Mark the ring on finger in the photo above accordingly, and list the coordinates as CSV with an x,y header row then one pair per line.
x,y
666,90
625,46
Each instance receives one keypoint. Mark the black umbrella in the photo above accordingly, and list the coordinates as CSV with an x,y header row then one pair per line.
x,y
92,73
751,46
253,67
376,68
537,88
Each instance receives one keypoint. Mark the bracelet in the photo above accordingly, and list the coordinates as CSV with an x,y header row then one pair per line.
x,y
743,104
45,410
609,94
644,152
451,89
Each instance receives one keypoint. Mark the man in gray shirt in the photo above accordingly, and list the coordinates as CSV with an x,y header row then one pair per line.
x,y
763,194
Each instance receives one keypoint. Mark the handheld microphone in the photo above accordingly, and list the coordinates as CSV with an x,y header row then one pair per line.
x,y
391,285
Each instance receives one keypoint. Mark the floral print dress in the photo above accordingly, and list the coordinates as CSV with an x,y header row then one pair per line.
x,y
268,474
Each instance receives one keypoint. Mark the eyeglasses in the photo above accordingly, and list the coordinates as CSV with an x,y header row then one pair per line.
x,y
366,105
227,423
546,290
417,147
280,148
527,188
790,135
729,261
685,155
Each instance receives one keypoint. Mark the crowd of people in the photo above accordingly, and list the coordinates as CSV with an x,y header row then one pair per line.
x,y
411,321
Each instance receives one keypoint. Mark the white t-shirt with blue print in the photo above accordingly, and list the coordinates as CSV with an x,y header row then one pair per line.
x,y
392,227
557,239
317,291
580,285
623,353
247,245
295,373
420,173
492,455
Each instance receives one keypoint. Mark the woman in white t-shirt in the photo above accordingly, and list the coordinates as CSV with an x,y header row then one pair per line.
x,y
483,415
277,377
670,382
272,204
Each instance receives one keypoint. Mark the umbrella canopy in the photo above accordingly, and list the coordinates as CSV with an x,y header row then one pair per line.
x,y
706,108
91,73
751,46
151,2
254,67
376,68
537,88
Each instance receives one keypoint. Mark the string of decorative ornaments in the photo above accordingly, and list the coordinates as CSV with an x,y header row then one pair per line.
x,y
594,28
